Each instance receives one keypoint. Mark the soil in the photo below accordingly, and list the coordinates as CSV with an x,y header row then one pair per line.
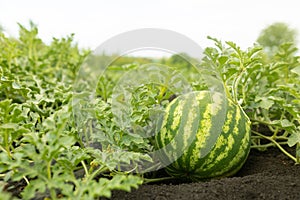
x,y
265,175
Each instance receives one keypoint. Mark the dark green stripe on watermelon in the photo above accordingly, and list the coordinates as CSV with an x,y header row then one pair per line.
x,y
176,121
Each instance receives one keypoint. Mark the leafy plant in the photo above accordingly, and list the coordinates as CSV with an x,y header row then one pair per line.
x,y
269,91
40,145
44,151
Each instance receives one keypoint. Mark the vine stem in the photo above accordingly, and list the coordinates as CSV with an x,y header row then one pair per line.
x,y
227,90
98,171
266,145
85,168
6,143
261,122
146,180
277,144
49,170
297,152
26,180
235,86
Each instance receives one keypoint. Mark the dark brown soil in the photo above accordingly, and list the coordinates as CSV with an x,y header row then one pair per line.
x,y
265,175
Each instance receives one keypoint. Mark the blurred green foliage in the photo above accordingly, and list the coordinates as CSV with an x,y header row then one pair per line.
x,y
276,34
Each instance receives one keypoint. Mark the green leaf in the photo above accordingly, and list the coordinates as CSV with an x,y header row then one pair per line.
x,y
264,102
294,138
296,70
286,123
222,60
12,126
4,194
35,186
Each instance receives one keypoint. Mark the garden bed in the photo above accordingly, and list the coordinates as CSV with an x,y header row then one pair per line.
x,y
265,175
51,115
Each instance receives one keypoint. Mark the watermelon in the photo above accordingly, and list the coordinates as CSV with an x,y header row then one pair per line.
x,y
203,135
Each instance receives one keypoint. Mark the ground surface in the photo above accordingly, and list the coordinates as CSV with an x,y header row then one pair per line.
x,y
265,175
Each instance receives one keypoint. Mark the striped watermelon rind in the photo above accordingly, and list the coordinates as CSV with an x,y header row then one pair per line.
x,y
189,126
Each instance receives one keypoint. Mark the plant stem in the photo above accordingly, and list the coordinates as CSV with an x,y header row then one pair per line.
x,y
261,122
6,143
152,180
227,90
266,145
235,86
53,194
99,170
26,180
298,153
85,168
49,170
277,144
